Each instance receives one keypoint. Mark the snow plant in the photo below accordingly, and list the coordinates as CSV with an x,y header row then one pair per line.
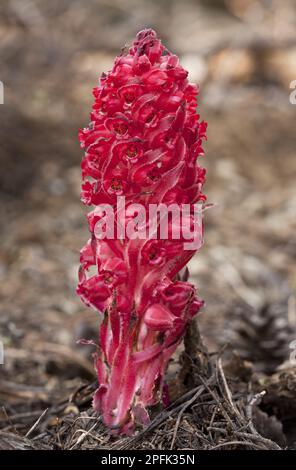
x,y
143,143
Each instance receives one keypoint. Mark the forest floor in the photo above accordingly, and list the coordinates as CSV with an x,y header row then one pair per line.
x,y
242,392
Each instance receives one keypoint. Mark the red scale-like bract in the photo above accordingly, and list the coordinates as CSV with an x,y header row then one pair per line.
x,y
142,143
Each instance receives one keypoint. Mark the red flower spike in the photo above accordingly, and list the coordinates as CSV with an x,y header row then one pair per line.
x,y
143,143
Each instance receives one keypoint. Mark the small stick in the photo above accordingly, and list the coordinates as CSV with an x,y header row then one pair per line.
x,y
36,423
240,443
227,390
249,409
188,403
8,418
83,435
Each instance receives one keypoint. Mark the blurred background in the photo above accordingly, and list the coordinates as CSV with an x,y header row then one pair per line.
x,y
242,53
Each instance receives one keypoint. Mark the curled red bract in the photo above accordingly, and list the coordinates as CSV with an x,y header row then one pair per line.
x,y
142,144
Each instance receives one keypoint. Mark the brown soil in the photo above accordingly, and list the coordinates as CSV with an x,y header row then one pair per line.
x,y
52,54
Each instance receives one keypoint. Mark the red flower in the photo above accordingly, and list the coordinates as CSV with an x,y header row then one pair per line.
x,y
159,318
154,253
177,295
94,291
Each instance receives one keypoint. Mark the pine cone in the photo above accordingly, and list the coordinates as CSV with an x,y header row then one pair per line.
x,y
263,336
